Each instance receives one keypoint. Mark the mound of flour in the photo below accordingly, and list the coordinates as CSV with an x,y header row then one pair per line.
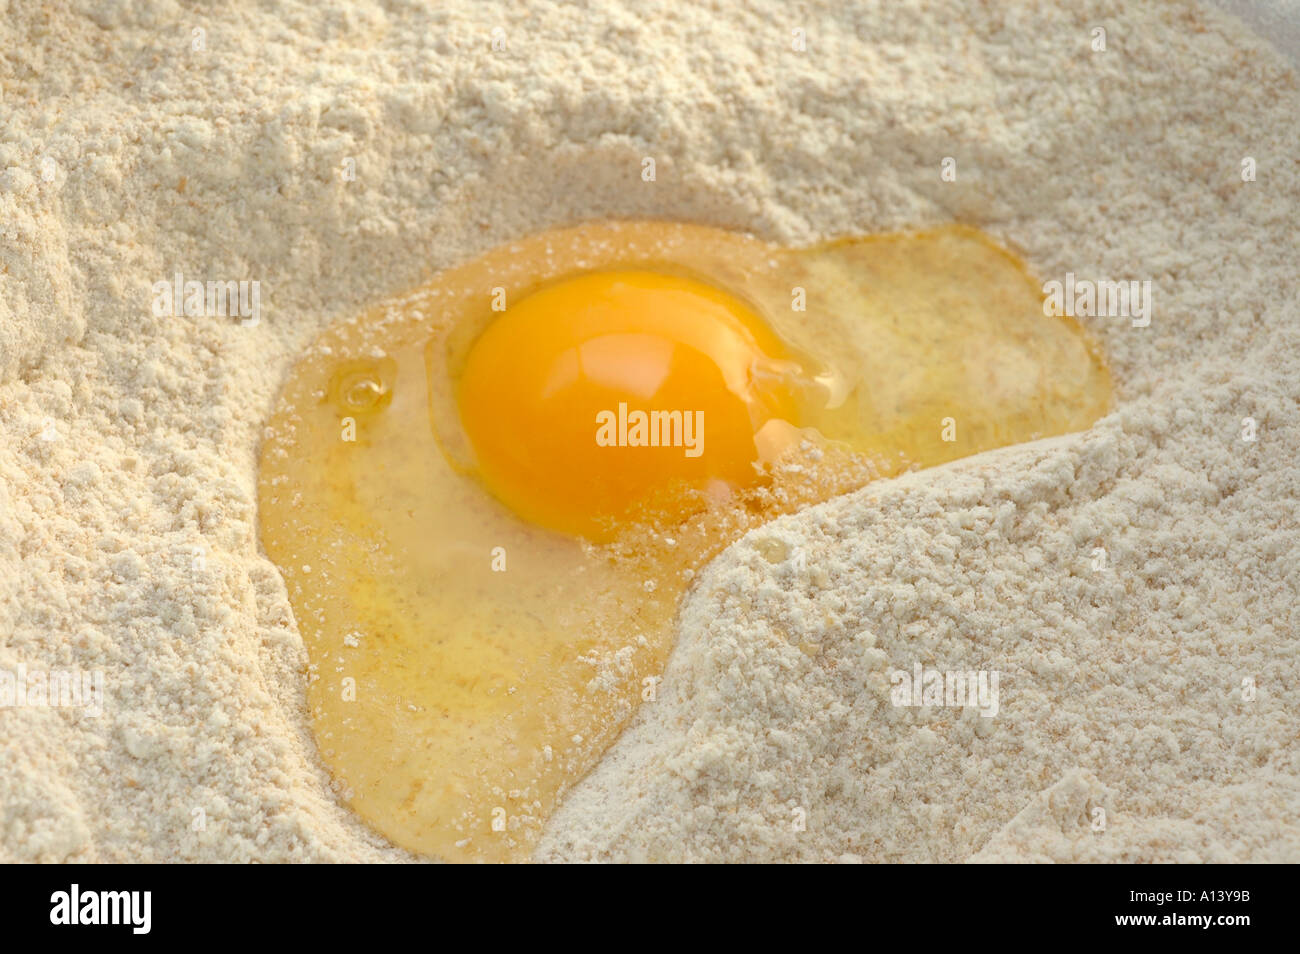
x,y
341,152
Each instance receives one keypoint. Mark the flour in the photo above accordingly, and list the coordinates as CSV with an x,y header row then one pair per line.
x,y
341,153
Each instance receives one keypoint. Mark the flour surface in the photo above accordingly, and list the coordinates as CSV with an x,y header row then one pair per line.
x,y
340,152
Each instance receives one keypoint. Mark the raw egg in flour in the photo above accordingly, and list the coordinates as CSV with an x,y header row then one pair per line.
x,y
488,497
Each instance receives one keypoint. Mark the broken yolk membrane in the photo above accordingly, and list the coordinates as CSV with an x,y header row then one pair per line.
x,y
488,497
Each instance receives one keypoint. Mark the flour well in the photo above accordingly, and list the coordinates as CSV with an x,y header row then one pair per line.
x,y
340,153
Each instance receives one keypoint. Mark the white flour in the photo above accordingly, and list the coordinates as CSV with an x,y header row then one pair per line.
x,y
128,441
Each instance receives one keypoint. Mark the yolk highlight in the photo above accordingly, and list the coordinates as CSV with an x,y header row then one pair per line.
x,y
611,390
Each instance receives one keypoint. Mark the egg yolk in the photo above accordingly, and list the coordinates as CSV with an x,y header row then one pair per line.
x,y
612,393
